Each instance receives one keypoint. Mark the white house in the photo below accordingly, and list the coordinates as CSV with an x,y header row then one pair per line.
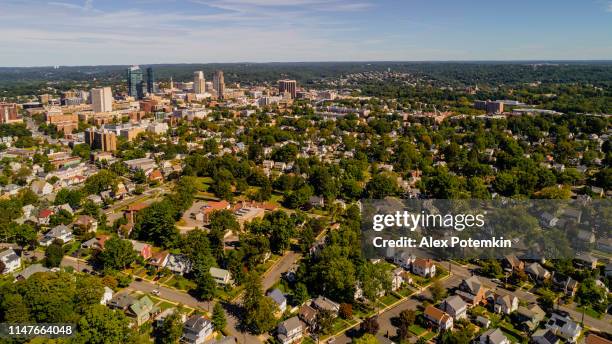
x,y
564,327
196,329
494,336
424,267
11,261
455,307
221,276
506,304
279,298
290,330
403,259
60,232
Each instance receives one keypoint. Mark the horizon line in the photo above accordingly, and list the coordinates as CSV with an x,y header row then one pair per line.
x,y
605,60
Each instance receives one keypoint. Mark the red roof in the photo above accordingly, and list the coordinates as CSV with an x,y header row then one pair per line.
x,y
137,207
213,205
423,263
45,213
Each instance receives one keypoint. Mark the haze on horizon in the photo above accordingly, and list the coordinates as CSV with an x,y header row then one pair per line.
x,y
111,32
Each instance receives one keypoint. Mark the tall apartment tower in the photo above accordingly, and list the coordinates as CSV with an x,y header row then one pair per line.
x,y
102,99
151,87
199,84
219,84
135,82
289,86
101,139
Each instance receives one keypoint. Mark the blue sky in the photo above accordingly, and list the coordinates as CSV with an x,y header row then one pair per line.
x,y
89,32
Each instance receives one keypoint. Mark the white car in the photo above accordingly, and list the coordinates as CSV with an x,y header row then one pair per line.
x,y
155,292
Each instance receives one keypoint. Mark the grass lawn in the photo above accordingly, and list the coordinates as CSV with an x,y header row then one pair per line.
x,y
416,329
308,340
181,283
389,299
430,335
339,325
165,305
203,183
406,291
590,312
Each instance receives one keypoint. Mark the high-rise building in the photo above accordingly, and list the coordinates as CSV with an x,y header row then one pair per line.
x,y
102,99
135,82
289,86
8,112
199,84
151,87
219,84
104,140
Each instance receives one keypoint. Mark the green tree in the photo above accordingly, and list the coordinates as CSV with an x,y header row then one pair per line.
x,y
258,309
101,325
381,186
118,254
54,254
438,292
171,329
218,317
366,339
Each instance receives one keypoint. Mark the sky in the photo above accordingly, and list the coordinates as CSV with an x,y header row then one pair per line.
x,y
103,32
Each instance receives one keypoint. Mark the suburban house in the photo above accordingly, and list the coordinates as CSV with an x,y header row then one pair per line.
x,y
60,232
586,260
86,223
221,276
545,336
403,259
316,201
564,327
567,285
178,264
44,216
290,331
11,261
537,272
438,318
308,315
323,303
472,291
41,187
493,336
159,259
399,278
121,301
142,310
279,298
455,307
196,329
424,267
505,303
529,316
143,249
512,263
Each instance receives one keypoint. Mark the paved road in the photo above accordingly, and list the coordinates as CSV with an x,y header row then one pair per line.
x,y
271,277
170,294
384,318
77,264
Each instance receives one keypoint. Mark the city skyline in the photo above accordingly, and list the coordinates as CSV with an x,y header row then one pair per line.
x,y
76,32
